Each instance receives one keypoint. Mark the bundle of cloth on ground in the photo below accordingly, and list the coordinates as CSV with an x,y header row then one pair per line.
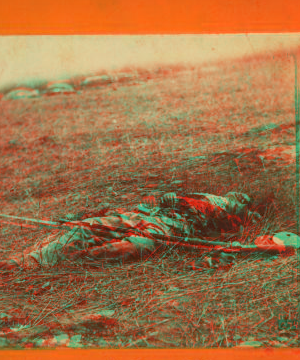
x,y
203,215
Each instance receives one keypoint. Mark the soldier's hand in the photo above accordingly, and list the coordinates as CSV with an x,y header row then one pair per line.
x,y
254,216
214,261
168,200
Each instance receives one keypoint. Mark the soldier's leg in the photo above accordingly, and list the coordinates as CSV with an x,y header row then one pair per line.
x,y
30,257
77,244
53,249
130,248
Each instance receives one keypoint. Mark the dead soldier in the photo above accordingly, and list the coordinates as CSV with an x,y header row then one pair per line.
x,y
129,235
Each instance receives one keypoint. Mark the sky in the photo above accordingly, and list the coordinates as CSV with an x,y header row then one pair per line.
x,y
30,59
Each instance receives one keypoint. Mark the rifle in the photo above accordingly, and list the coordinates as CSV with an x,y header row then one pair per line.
x,y
187,242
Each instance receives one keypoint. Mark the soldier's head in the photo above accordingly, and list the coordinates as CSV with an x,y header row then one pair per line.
x,y
237,202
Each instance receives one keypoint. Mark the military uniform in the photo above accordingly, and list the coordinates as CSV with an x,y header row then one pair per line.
x,y
129,235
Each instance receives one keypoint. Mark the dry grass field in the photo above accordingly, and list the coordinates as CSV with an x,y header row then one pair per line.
x,y
182,129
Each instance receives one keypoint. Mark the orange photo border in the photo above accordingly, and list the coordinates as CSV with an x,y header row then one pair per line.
x,y
28,17
67,17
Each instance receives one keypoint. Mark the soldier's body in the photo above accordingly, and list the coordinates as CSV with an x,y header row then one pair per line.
x,y
128,235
